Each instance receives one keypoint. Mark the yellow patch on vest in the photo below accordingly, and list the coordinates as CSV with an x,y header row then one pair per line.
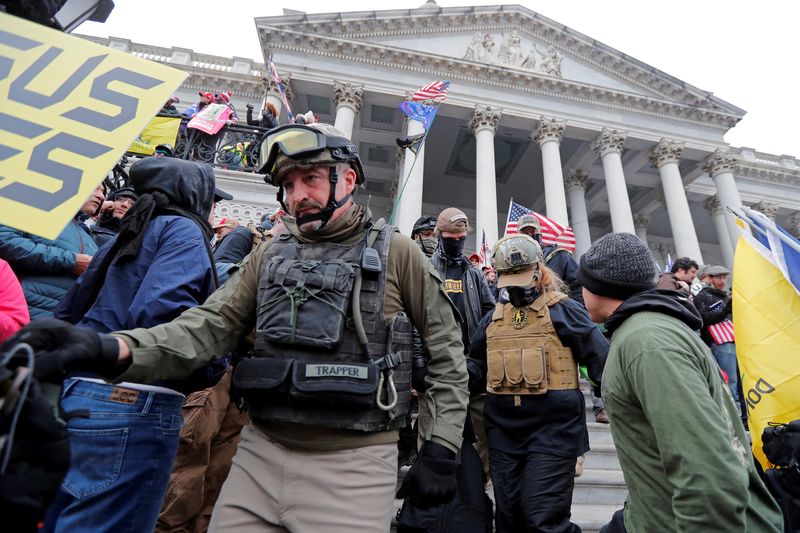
x,y
519,317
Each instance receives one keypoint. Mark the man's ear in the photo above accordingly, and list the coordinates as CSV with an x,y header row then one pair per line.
x,y
349,177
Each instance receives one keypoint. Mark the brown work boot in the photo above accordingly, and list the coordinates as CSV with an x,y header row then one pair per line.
x,y
600,416
579,465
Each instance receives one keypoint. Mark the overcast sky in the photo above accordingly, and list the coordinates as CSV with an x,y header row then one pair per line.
x,y
745,52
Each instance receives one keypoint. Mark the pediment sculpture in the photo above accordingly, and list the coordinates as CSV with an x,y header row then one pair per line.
x,y
511,53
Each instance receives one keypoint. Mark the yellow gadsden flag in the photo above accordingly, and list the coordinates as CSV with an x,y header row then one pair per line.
x,y
68,110
766,316
160,130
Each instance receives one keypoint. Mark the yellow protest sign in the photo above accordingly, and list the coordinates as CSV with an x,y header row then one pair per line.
x,y
68,110
160,130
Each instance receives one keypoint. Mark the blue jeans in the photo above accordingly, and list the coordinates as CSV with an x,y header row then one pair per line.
x,y
725,354
122,446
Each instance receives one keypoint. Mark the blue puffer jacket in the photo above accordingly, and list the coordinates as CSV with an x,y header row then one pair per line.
x,y
43,266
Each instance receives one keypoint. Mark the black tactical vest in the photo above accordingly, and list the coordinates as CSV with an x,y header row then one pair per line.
x,y
309,364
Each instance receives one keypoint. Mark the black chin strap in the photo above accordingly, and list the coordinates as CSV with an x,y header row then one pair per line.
x,y
327,212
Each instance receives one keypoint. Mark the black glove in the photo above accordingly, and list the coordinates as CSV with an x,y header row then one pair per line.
x,y
61,347
431,480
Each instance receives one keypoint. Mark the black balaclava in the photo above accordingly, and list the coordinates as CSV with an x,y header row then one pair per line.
x,y
521,296
452,248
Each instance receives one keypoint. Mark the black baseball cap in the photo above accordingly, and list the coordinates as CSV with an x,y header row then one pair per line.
x,y
220,195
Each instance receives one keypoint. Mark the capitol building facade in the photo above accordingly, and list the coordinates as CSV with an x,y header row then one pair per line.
x,y
536,112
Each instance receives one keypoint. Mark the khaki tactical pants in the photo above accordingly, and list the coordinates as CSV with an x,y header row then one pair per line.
x,y
210,434
272,488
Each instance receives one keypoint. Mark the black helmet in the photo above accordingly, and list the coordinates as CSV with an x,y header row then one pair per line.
x,y
423,223
295,145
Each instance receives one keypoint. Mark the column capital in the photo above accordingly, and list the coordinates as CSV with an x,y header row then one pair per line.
x,y
768,209
713,206
666,151
269,86
485,117
720,161
576,179
640,220
549,129
609,140
794,224
347,94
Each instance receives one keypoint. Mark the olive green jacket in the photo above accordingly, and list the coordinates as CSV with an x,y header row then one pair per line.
x,y
175,349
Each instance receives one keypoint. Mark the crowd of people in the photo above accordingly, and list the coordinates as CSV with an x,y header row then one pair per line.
x,y
275,376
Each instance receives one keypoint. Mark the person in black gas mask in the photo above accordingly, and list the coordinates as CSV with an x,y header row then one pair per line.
x,y
467,288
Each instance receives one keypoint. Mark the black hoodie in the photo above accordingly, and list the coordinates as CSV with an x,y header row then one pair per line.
x,y
671,303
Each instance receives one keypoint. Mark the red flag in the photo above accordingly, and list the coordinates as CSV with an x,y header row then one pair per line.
x,y
552,231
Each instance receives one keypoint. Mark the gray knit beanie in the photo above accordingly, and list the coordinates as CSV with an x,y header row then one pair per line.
x,y
617,265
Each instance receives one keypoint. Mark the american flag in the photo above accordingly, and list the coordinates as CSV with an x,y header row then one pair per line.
x,y
484,252
722,332
435,90
552,231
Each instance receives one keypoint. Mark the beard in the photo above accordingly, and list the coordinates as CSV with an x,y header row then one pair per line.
x,y
313,225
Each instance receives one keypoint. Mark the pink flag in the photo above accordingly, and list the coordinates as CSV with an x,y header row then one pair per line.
x,y
210,119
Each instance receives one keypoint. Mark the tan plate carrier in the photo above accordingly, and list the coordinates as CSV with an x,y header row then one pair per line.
x,y
524,353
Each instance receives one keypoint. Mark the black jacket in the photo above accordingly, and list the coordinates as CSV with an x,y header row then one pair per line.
x,y
266,120
235,246
561,262
477,296
714,306
105,230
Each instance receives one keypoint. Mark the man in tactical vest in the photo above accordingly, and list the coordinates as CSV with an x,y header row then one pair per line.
x,y
328,382
557,259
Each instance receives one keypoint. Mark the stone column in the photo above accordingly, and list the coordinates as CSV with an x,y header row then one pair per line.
x,y
640,222
794,224
768,209
665,156
720,167
608,146
408,206
715,210
576,191
484,125
348,99
271,91
548,135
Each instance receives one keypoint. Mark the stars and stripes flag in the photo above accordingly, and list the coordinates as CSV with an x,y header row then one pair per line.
x,y
552,231
281,88
435,90
484,251
722,332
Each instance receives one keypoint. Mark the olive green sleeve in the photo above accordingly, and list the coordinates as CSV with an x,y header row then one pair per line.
x,y
174,349
414,286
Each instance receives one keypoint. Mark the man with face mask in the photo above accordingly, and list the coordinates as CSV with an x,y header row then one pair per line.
x,y
468,290
423,233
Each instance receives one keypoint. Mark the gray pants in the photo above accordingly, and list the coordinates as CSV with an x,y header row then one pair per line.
x,y
273,489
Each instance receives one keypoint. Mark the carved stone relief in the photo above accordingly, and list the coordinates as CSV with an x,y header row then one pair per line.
x,y
512,53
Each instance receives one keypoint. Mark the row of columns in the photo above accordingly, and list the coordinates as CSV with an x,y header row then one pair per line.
x,y
560,190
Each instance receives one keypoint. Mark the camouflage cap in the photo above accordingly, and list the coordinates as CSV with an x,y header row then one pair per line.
x,y
452,220
529,221
515,257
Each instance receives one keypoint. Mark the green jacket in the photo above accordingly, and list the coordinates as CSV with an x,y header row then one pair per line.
x,y
174,349
681,445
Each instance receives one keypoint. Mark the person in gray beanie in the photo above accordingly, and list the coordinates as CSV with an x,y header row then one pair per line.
x,y
681,445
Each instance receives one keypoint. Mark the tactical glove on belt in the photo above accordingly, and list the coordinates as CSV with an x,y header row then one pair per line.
x,y
431,480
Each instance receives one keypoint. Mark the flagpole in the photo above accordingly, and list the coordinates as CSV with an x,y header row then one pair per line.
x,y
508,215
767,229
411,169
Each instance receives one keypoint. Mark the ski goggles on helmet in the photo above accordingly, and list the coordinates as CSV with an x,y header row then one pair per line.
x,y
300,142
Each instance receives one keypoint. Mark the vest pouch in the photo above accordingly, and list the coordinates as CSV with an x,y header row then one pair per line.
x,y
333,384
264,378
305,302
495,368
512,362
534,368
